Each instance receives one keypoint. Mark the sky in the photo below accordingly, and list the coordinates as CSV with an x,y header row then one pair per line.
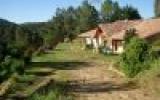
x,y
20,11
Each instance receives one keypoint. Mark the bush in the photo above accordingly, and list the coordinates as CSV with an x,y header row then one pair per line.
x,y
129,35
149,79
25,78
10,66
89,46
136,57
54,91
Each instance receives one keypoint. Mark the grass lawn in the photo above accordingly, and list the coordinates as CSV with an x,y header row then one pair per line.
x,y
72,52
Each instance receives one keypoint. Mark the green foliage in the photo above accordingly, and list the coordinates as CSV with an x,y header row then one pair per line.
x,y
117,13
10,66
53,95
129,34
16,42
50,96
136,57
131,13
149,79
157,8
111,11
68,23
25,78
88,16
52,92
64,23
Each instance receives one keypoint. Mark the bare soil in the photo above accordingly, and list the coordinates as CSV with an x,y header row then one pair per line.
x,y
97,82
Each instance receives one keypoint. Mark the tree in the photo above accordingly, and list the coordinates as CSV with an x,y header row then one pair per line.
x,y
9,66
15,41
70,23
107,10
136,57
129,34
67,23
88,17
58,25
157,8
111,11
130,13
117,12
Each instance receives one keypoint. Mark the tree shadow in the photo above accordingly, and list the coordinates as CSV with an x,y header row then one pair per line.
x,y
53,52
58,49
80,87
67,65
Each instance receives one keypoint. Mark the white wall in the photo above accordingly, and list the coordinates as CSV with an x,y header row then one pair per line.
x,y
95,43
100,41
88,41
120,50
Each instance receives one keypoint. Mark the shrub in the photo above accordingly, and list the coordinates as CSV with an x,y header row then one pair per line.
x,y
9,66
25,78
149,79
89,46
54,91
129,35
136,57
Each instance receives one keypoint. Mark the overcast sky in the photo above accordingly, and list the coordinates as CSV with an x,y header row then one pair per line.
x,y
20,11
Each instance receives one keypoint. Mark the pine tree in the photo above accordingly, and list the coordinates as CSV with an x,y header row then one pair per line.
x,y
157,8
88,16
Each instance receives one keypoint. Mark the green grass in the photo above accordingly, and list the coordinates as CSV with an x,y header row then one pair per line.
x,y
150,79
40,71
64,52
55,91
25,78
73,52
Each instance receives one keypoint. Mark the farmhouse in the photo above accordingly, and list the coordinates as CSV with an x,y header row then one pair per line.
x,y
93,38
147,29
100,36
111,35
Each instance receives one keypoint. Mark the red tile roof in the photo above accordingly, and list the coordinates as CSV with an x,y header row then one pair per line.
x,y
111,28
148,28
118,26
90,34
145,28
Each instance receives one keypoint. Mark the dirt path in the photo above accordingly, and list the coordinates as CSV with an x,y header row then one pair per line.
x,y
96,82
93,80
